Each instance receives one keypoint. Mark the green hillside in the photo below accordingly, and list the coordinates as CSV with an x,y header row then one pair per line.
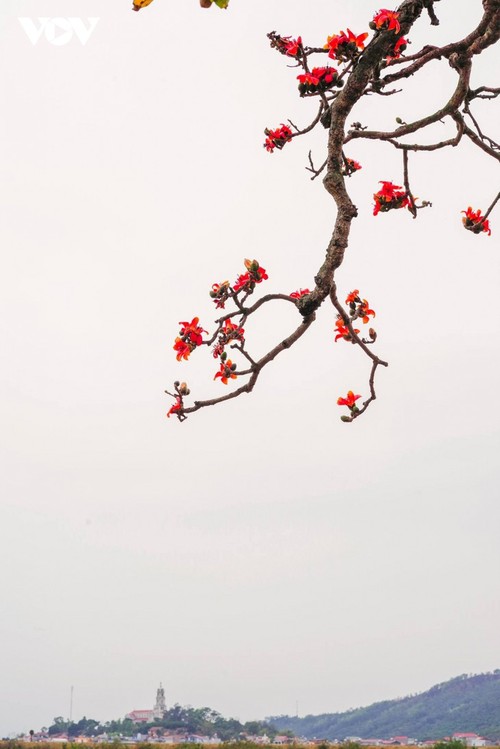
x,y
463,704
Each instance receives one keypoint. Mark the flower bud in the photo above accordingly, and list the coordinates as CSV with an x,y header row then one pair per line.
x,y
233,367
176,384
223,356
345,418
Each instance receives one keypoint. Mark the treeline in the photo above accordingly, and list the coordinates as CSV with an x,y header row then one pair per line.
x,y
203,721
463,704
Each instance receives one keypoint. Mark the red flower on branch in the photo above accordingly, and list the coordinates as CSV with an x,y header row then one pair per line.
x,y
397,49
277,138
189,338
226,371
359,308
232,332
390,196
343,47
242,282
220,293
229,332
183,349
192,331
319,79
386,19
364,311
343,331
177,406
474,221
291,46
350,166
300,293
255,275
353,297
349,400
285,44
308,79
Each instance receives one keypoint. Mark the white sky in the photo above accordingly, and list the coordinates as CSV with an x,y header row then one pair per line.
x,y
261,553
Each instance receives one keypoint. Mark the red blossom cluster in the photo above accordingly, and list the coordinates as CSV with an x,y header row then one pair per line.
x,y
255,274
390,196
474,221
285,44
177,406
386,20
223,291
350,402
397,49
359,308
277,138
220,293
226,371
344,47
176,409
189,338
319,79
342,331
299,293
229,332
350,166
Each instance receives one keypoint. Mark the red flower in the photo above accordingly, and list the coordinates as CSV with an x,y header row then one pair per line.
x,y
191,331
242,282
285,44
364,311
308,79
345,46
343,331
353,297
189,338
390,196
292,46
232,332
226,371
397,49
220,293
300,293
350,166
386,19
255,274
183,349
475,221
349,400
319,79
177,406
277,138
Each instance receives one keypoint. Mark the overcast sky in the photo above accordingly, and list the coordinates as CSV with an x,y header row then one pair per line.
x,y
262,553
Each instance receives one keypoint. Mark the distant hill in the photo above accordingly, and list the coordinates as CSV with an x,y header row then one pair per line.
x,y
463,704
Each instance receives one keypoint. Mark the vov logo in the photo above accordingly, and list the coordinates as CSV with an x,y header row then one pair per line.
x,y
58,31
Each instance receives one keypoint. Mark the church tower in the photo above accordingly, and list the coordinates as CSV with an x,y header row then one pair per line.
x,y
160,707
